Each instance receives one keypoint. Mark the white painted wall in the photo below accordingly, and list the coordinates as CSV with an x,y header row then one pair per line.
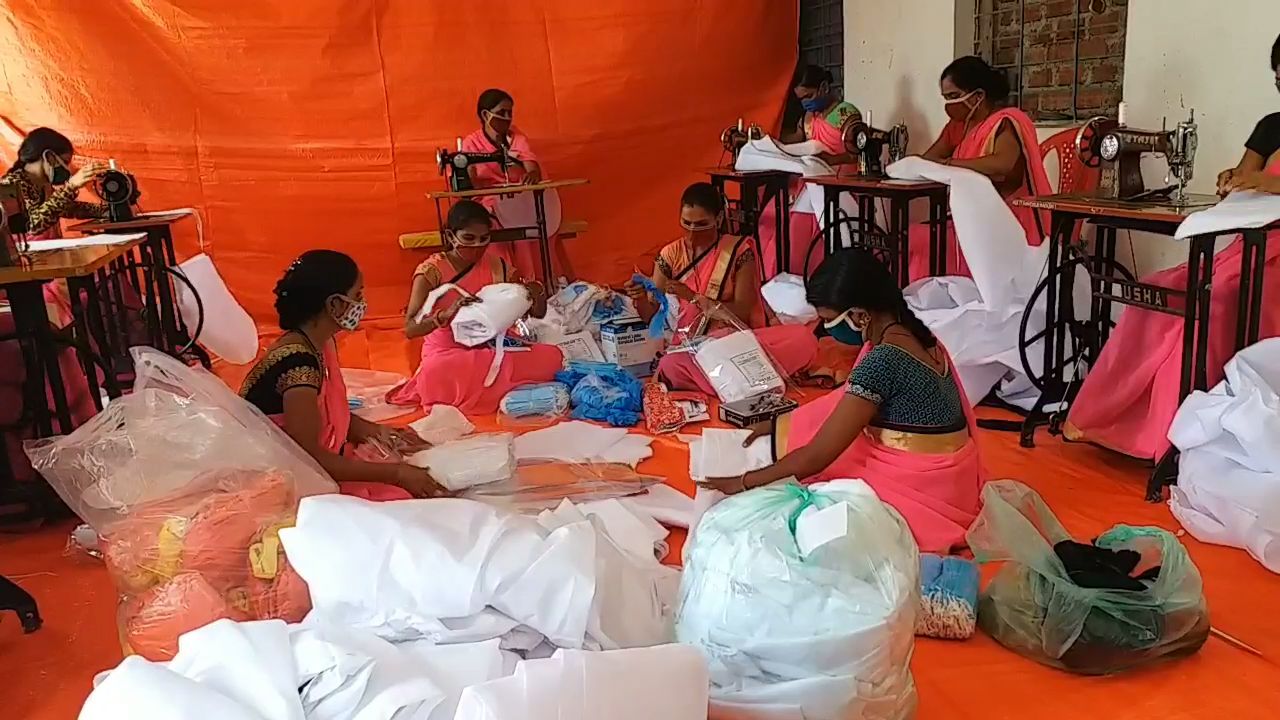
x,y
1202,54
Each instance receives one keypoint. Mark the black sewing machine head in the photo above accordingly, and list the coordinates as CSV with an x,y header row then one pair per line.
x,y
454,165
736,137
868,143
119,190
1118,149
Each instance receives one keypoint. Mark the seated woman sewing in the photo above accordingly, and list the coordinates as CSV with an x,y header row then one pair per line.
x,y
450,373
824,116
498,133
1128,400
902,423
705,268
298,383
988,137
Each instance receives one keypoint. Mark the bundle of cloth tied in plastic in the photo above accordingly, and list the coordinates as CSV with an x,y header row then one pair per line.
x,y
734,362
1130,598
804,601
188,487
496,309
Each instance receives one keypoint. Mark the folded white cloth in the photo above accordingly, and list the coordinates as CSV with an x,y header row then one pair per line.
x,y
785,294
477,460
1241,210
443,424
767,154
738,367
1228,490
582,442
719,453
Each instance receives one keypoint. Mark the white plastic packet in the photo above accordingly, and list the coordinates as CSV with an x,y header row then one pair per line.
x,y
738,367
477,460
445,423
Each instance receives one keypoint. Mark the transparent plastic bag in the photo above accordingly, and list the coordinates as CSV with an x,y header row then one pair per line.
x,y
472,461
732,359
804,598
539,486
1035,608
367,394
187,486
535,403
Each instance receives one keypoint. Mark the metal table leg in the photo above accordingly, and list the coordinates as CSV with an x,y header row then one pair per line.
x,y
938,235
544,242
777,188
40,352
1252,268
900,234
75,286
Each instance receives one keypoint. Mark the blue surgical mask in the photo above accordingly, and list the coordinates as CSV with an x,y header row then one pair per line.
x,y
812,104
843,331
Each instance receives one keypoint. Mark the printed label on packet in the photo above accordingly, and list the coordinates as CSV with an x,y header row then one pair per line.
x,y
756,369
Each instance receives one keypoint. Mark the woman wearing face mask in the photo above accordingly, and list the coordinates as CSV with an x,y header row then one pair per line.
x,y
495,108
902,422
1128,400
986,136
824,116
298,383
49,187
454,374
705,268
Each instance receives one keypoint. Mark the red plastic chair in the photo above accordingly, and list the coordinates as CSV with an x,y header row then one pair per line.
x,y
1073,175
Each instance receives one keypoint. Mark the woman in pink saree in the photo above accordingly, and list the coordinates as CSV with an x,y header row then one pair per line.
x,y
298,383
986,137
824,116
704,268
902,423
497,131
1129,398
451,373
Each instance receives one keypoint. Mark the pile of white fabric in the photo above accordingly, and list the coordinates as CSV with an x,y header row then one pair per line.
x,y
582,442
978,319
270,671
1228,490
457,570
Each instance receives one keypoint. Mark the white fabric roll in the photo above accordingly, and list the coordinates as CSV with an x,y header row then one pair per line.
x,y
228,331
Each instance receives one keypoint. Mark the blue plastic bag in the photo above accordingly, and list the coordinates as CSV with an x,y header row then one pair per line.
x,y
603,392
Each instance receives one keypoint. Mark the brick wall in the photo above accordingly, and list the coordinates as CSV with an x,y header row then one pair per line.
x,y
1061,50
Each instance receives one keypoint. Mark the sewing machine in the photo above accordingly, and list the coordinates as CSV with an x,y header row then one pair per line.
x,y
119,190
1109,143
454,165
868,142
736,137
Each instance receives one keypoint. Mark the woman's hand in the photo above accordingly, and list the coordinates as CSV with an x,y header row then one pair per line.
x,y
758,431
635,291
445,316
86,174
728,486
402,439
419,483
1224,181
1260,181
532,173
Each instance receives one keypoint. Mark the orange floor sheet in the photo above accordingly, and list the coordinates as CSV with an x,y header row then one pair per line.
x,y
48,674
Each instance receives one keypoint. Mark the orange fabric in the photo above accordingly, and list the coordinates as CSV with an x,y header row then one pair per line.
x,y
296,125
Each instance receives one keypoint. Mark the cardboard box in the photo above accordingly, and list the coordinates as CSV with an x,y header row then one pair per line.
x,y
626,342
745,413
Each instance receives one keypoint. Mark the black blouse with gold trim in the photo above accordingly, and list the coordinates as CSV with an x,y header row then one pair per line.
x,y
284,367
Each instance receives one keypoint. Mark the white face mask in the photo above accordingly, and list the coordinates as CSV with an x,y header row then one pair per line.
x,y
351,317
962,99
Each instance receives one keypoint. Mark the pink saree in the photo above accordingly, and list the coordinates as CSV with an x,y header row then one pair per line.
x,y
335,424
453,374
1129,398
937,491
804,225
792,347
978,142
521,255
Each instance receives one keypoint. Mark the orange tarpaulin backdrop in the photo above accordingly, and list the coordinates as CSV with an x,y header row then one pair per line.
x,y
300,124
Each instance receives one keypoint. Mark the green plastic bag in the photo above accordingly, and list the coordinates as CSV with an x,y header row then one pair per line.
x,y
1033,608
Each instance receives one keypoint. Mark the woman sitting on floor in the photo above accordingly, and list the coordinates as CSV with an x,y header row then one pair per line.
x,y
902,423
298,383
705,268
451,373
986,136
1130,396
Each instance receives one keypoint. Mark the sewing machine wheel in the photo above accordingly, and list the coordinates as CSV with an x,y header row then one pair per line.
x,y
1089,140
115,187
1084,336
853,134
